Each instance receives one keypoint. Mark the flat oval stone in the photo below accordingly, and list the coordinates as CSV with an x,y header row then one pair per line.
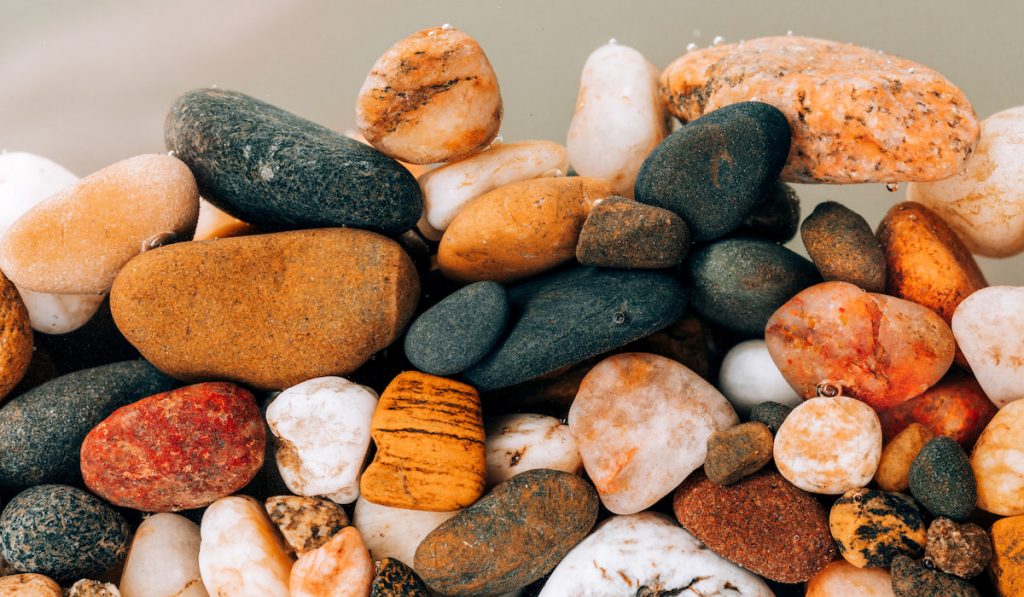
x,y
739,282
569,316
16,341
41,431
960,549
896,120
513,536
898,455
843,247
177,450
522,442
276,170
520,229
164,559
306,523
62,532
914,578
715,170
941,479
341,567
457,332
738,451
642,424
394,532
65,245
748,377
843,579
994,461
872,527
395,579
880,349
270,310
240,550
776,218
627,234
29,585
619,117
956,407
1007,563
431,97
989,329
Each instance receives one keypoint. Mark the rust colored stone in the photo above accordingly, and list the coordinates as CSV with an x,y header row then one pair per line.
x,y
960,549
1008,559
15,337
956,406
622,233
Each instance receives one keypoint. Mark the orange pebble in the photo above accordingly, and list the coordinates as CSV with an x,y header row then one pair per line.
x,y
955,407
339,568
214,223
1008,561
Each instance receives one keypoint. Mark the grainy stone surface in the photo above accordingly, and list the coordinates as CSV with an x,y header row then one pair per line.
x,y
93,588
341,567
872,527
843,247
772,414
628,234
913,578
15,337
942,480
737,452
29,585
961,549
1008,555
395,579
306,523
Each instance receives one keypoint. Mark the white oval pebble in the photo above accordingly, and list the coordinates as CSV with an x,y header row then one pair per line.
x,y
989,329
749,377
394,532
164,559
523,442
241,552
998,462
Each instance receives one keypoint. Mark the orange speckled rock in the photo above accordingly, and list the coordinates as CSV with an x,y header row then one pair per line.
x,y
956,407
519,230
430,455
339,568
1008,561
897,456
843,579
15,337
857,115
29,585
76,241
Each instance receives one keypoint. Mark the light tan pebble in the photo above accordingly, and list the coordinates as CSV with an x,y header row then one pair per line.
x,y
897,456
93,588
29,585
339,568
843,579
522,442
998,462
394,532
214,223
432,97
241,552
989,329
306,523
164,559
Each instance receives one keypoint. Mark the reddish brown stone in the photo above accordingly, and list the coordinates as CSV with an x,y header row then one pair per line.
x,y
956,407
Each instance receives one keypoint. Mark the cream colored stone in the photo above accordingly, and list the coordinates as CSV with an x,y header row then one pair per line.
x,y
339,568
749,377
522,442
241,553
29,585
843,579
164,559
998,462
394,532
989,329
93,588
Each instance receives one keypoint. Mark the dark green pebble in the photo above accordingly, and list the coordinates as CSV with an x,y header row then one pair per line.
x,y
942,480
772,414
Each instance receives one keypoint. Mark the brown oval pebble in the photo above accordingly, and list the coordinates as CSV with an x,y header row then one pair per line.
x,y
898,455
842,246
15,338
623,233
737,452
959,548
1008,555
270,310
306,523
29,585
762,523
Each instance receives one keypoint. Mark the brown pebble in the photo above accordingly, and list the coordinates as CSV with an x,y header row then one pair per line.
x,y
622,233
306,523
897,456
15,337
843,247
737,452
913,578
777,218
959,548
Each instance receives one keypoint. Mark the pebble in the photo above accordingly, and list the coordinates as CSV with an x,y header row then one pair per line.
x,y
59,313
843,247
748,377
716,170
912,578
941,479
642,424
772,414
520,229
571,315
829,445
93,588
431,97
164,559
29,585
985,203
995,462
461,329
15,337
857,115
306,523
871,527
513,536
341,567
955,407
176,450
647,554
241,552
626,234
269,311
522,442
989,329
960,549
898,454
880,349
761,523
395,579
322,428
62,532
777,218
65,245
429,435
1008,557
41,431
214,223
843,579
737,452
738,283
619,117
394,532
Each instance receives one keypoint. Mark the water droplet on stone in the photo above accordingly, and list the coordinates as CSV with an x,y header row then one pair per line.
x,y
613,41
447,27
164,238
789,33
618,318
717,40
695,33
691,47
498,140
171,153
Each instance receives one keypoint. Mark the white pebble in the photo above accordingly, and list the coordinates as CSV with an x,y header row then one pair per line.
x,y
241,552
164,559
523,442
394,532
749,377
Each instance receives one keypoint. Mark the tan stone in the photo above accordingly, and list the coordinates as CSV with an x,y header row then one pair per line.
x,y
29,585
996,461
898,455
843,579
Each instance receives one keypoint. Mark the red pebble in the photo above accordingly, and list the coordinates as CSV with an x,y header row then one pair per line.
x,y
177,450
956,407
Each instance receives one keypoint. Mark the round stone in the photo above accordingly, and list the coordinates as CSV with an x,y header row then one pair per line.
x,y
240,550
843,246
164,559
960,549
871,527
29,585
772,414
914,577
994,462
306,523
627,234
942,480
341,566
521,442
777,218
989,329
749,377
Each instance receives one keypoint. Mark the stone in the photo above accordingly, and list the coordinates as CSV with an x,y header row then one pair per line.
x,y
715,171
761,523
431,97
898,454
240,550
738,283
322,428
59,313
215,223
955,407
429,434
65,245
642,423
772,414
513,536
829,445
647,554
737,452
626,234
843,579
522,442
93,588
843,247
871,527
877,348
395,579
941,479
306,523
1008,555
341,567
857,115
988,327
689,340
176,450
62,532
164,559
912,578
983,204
458,331
619,117
960,549
519,230
29,585
994,461
394,532
777,218
569,316
269,311
748,377
15,337
41,431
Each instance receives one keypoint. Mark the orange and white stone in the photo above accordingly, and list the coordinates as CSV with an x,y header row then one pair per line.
x,y
843,579
339,568
989,328
394,532
522,442
998,462
241,552
829,445
619,116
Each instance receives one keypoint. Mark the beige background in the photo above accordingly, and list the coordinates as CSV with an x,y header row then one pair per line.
x,y
86,83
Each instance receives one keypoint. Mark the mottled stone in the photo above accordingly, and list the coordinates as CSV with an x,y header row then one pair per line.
x,y
748,377
306,523
15,337
843,247
1008,555
164,559
777,218
29,585
772,414
913,578
395,579
871,527
960,549
738,451
843,579
341,567
93,588
989,329
941,479
522,442
995,461
241,552
955,407
394,532
893,472
627,234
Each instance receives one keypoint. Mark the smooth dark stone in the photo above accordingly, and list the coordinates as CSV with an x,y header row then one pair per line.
x,y
96,343
41,431
395,579
843,247
509,538
772,414
739,282
278,171
457,332
62,532
622,233
717,169
941,478
913,578
568,316
777,218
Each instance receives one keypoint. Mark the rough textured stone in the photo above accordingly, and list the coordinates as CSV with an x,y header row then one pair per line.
x,y
306,523
772,414
843,247
15,337
521,442
955,407
164,559
749,377
627,234
893,472
994,461
341,567
395,579
912,578
29,585
241,552
989,329
1008,555
871,527
777,218
843,579
93,588
737,452
942,480
960,549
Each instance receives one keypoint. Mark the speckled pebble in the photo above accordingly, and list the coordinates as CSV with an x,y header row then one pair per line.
x,y
306,523
395,579
941,479
772,414
737,452
961,549
871,527
956,407
913,578
1008,555
843,247
93,588
627,234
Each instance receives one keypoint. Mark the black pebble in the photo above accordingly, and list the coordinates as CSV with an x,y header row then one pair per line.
x,y
772,414
941,478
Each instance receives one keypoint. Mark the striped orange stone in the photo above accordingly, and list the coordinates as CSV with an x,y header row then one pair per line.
x,y
430,455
